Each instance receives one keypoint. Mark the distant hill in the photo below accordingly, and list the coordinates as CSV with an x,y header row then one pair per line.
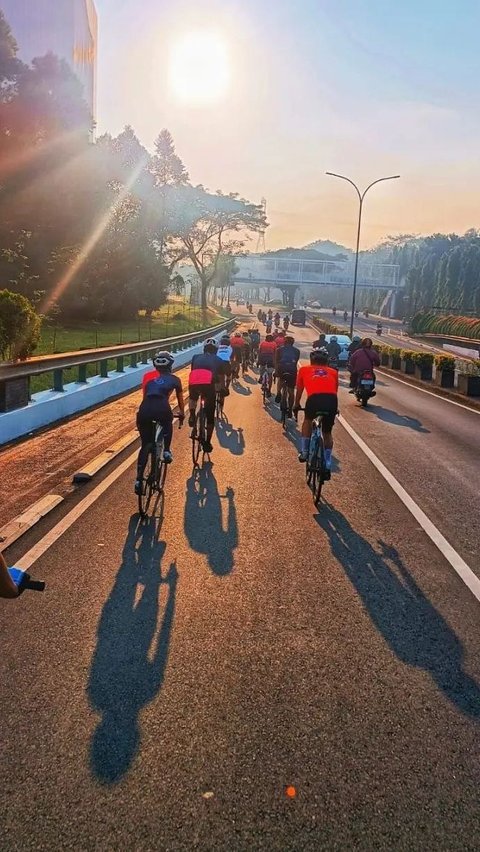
x,y
329,248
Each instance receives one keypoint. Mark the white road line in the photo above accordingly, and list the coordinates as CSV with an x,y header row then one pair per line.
x,y
430,393
469,578
57,531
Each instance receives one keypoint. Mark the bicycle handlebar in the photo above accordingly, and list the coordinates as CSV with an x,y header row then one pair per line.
x,y
24,581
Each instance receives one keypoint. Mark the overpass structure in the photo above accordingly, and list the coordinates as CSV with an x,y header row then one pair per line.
x,y
285,273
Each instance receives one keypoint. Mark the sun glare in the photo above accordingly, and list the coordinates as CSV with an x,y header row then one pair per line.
x,y
199,68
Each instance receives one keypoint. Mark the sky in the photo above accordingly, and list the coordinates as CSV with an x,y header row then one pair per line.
x,y
365,88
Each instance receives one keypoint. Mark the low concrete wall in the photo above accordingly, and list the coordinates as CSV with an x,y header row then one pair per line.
x,y
49,406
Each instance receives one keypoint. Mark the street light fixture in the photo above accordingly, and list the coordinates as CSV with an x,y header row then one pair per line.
x,y
361,196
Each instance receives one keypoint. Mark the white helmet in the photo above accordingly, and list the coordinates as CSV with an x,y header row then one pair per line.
x,y
163,360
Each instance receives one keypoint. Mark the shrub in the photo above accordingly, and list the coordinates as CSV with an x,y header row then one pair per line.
x,y
407,354
445,362
423,359
395,352
19,326
427,322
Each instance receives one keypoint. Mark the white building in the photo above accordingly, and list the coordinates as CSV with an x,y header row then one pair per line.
x,y
67,28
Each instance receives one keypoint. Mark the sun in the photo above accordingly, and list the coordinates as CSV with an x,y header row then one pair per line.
x,y
199,68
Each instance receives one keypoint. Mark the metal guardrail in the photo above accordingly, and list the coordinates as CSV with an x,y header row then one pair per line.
x,y
18,373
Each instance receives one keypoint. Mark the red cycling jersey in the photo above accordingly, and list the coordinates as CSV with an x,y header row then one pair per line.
x,y
237,342
316,378
267,347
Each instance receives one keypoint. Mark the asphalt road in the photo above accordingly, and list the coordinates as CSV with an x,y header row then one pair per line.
x,y
178,676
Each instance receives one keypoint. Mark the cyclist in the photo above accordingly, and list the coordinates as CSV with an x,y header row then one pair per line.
x,y
158,385
287,357
247,348
266,360
255,341
206,376
270,314
225,353
260,315
8,589
268,326
321,385
276,320
286,322
236,342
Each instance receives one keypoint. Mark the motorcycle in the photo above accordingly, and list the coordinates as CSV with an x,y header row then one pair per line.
x,y
365,387
379,330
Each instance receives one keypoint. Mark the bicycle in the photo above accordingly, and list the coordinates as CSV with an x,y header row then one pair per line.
x,y
266,383
154,472
315,467
245,361
219,403
199,433
284,400
235,369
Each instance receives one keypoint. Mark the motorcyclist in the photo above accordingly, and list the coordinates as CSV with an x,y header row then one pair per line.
x,y
379,328
345,315
355,344
334,312
321,343
286,322
334,349
365,359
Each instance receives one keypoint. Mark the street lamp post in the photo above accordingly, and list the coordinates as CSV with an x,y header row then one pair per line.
x,y
361,196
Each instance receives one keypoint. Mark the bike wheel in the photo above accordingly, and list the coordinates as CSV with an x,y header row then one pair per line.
x,y
284,407
196,445
147,483
161,468
317,490
310,467
202,428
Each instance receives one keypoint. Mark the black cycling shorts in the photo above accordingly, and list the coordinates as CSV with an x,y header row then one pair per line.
x,y
287,375
209,394
324,403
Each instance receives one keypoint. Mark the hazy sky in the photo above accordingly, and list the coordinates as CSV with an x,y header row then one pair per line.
x,y
363,87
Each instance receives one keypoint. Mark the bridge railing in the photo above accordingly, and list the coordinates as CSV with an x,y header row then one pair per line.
x,y
15,376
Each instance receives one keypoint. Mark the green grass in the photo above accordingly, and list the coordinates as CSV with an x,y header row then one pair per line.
x,y
171,321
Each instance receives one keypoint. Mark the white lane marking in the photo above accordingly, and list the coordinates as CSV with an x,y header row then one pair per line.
x,y
430,393
57,531
469,578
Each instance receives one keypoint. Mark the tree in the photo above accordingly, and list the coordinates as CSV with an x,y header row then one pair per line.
x,y
19,326
166,166
212,226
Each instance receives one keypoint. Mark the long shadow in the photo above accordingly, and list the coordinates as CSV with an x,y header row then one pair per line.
x,y
203,520
250,379
407,620
129,661
389,416
238,388
230,438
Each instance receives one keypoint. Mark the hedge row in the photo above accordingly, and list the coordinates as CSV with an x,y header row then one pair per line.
x,y
327,327
450,325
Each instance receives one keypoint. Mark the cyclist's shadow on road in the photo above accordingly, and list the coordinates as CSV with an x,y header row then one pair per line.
x,y
415,631
230,438
206,529
133,638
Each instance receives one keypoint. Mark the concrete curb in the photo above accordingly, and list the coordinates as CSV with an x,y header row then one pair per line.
x,y
31,516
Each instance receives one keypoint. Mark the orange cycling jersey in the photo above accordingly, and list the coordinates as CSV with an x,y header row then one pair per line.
x,y
315,378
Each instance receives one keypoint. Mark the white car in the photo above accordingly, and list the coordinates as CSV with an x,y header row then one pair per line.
x,y
344,341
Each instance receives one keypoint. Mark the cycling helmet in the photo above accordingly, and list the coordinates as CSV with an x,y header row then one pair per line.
x,y
245,334
319,356
238,334
211,342
225,340
163,360
333,338
210,345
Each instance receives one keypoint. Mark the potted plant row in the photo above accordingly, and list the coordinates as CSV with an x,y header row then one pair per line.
x,y
423,362
469,380
445,371
407,361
